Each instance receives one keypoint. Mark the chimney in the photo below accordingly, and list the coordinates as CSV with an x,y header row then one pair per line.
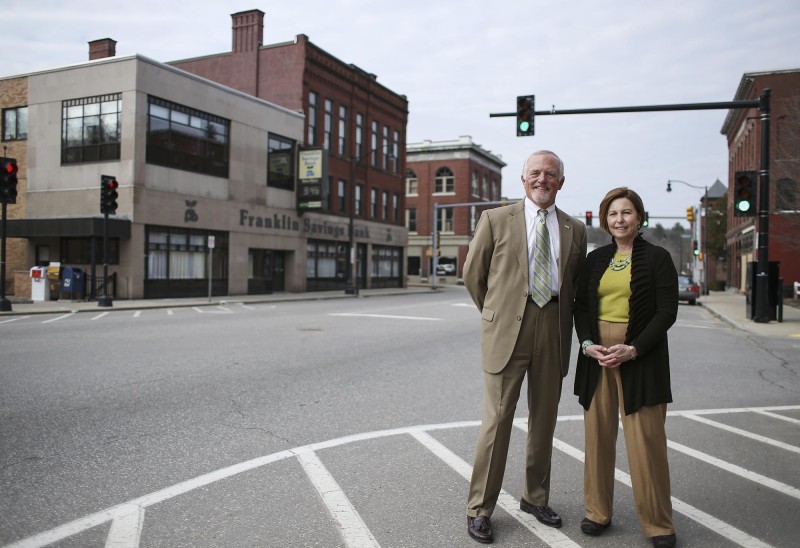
x,y
248,30
100,49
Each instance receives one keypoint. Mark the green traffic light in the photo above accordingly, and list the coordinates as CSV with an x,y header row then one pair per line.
x,y
524,125
744,206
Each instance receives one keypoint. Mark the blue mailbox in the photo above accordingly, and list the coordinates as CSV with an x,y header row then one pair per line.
x,y
73,282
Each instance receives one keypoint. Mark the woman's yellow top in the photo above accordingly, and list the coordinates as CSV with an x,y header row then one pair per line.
x,y
615,290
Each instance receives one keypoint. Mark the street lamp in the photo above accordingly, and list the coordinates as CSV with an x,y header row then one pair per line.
x,y
703,226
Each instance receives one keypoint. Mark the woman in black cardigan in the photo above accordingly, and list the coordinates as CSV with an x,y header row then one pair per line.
x,y
627,299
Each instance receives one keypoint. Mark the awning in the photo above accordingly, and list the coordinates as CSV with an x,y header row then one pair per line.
x,y
67,228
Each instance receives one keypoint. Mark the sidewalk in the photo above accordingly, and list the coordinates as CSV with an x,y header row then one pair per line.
x,y
25,308
732,307
727,305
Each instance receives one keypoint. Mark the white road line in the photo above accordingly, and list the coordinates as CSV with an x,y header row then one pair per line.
x,y
15,319
553,537
170,312
137,313
100,315
58,318
737,470
126,528
745,433
353,529
222,310
777,416
388,316
248,307
718,526
104,516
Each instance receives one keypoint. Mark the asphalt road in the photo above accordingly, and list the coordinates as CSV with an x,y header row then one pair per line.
x,y
351,423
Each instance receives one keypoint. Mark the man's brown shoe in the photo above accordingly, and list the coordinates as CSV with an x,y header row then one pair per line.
x,y
544,514
480,528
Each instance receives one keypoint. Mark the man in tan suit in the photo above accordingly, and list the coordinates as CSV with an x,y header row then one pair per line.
x,y
520,271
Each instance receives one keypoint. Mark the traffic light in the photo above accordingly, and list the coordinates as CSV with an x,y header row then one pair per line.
x,y
695,250
646,221
690,214
588,218
108,194
744,194
525,113
8,181
438,240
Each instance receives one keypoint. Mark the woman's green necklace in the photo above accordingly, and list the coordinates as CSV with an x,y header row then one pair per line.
x,y
619,264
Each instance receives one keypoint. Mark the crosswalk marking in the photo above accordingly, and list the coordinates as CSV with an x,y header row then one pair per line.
x,y
718,526
127,518
353,529
745,433
387,316
553,537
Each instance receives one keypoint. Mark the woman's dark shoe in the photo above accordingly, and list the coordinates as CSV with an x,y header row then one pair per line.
x,y
664,541
592,528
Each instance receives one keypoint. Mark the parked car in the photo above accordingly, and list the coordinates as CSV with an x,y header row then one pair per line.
x,y
445,269
688,290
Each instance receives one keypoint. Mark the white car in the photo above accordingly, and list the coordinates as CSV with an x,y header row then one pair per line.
x,y
445,269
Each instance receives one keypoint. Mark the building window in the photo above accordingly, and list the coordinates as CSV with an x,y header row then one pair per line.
x,y
184,138
325,260
311,138
786,195
374,144
182,254
327,124
359,152
395,208
411,219
15,124
445,181
396,152
373,203
90,129
79,250
342,195
342,130
385,205
412,183
474,185
359,190
386,262
485,188
445,221
385,147
280,162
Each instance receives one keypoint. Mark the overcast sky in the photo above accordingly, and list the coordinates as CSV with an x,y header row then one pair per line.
x,y
457,61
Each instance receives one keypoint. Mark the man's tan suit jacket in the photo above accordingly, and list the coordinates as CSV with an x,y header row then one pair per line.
x,y
496,277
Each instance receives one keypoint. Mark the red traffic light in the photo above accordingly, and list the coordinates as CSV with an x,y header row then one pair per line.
x,y
113,184
11,167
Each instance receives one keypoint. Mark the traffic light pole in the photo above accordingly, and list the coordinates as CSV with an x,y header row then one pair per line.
x,y
763,105
105,301
5,304
762,314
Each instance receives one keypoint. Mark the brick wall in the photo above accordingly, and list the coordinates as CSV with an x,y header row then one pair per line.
x,y
14,93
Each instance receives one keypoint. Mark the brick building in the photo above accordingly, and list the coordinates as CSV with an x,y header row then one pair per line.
x,y
359,124
447,172
200,157
743,132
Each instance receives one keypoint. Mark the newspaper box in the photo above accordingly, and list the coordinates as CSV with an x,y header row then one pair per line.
x,y
40,285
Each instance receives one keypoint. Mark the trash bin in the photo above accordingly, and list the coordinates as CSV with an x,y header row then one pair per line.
x,y
40,285
72,283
